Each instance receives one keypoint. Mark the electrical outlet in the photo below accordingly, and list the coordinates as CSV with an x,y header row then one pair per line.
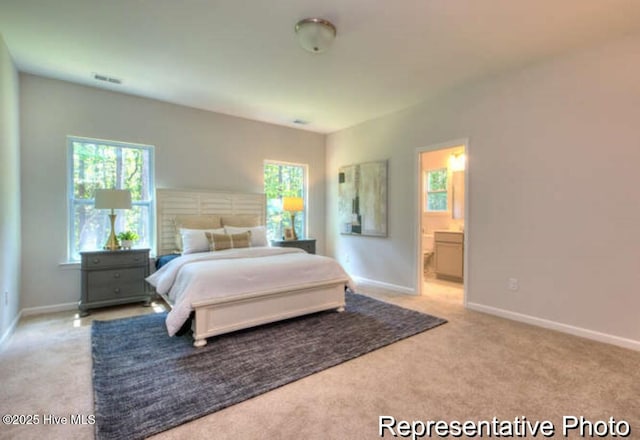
x,y
6,298
346,258
512,284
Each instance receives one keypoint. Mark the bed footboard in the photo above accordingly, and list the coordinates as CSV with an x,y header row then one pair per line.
x,y
225,315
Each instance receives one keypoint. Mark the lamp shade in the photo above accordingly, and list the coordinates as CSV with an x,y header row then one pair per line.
x,y
113,199
315,34
292,204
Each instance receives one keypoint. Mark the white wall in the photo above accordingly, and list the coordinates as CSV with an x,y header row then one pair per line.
x,y
194,149
9,192
554,159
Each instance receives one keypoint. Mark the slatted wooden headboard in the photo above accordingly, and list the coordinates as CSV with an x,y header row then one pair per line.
x,y
172,202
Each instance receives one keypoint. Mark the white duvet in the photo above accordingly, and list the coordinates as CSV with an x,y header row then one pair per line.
x,y
192,278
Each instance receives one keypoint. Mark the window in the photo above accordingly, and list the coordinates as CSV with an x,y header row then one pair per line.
x,y
283,179
436,190
97,164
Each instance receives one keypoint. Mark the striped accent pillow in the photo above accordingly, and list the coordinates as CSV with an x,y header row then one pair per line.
x,y
220,242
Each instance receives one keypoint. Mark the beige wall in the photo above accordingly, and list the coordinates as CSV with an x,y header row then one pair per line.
x,y
9,192
553,179
194,149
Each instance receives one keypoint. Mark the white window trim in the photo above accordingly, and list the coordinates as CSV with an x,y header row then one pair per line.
x,y
70,199
427,192
305,185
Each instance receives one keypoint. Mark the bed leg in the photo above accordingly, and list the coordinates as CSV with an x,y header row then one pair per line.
x,y
199,343
340,309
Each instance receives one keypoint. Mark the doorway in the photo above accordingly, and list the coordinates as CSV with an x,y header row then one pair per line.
x,y
442,219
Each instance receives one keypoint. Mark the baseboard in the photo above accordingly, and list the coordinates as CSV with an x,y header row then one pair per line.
x,y
30,311
553,325
365,282
12,328
49,309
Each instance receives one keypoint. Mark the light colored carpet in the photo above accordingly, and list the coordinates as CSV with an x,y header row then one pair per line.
x,y
231,368
473,368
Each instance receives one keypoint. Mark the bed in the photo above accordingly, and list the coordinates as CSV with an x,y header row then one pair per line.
x,y
234,288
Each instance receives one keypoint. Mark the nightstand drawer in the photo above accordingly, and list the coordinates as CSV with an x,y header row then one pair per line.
x,y
308,245
114,259
110,284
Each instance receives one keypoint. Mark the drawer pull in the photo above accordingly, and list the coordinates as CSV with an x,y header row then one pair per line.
x,y
116,290
136,258
116,275
96,260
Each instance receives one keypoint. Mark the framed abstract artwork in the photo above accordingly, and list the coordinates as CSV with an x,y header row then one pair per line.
x,y
362,198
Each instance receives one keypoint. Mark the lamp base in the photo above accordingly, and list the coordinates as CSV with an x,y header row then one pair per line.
x,y
112,241
293,225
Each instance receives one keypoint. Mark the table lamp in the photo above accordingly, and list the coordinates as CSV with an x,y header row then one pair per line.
x,y
112,199
293,205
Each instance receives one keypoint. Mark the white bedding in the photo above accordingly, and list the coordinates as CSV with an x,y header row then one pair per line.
x,y
191,278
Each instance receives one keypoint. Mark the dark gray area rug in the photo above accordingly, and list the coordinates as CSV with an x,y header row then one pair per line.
x,y
146,382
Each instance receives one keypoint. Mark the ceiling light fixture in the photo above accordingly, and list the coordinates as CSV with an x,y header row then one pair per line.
x,y
315,34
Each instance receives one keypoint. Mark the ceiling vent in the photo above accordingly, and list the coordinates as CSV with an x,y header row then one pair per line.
x,y
106,78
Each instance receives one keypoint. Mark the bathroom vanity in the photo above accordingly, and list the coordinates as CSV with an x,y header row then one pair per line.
x,y
449,254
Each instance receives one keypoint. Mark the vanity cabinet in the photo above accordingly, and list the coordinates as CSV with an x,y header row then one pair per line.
x,y
449,254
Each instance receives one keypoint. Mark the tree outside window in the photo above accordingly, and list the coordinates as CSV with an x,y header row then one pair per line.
x,y
283,179
436,190
97,164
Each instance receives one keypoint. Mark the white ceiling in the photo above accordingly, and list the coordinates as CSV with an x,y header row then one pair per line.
x,y
241,57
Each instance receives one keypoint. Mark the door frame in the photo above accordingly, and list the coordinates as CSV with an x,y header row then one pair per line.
x,y
419,270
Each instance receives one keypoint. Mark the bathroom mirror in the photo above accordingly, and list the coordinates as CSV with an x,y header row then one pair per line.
x,y
457,195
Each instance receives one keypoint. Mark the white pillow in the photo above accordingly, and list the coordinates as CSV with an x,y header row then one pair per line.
x,y
195,240
258,234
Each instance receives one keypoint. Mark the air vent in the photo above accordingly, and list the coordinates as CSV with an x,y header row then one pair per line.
x,y
106,78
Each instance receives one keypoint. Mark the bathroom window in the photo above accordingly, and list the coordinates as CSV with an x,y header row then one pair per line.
x,y
436,190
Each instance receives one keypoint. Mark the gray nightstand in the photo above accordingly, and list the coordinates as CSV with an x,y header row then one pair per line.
x,y
308,244
114,277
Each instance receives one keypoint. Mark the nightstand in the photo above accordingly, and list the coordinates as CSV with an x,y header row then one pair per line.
x,y
307,244
114,277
